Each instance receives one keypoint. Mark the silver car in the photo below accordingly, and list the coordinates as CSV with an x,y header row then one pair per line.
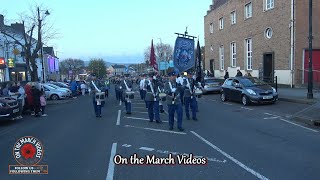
x,y
57,87
212,85
53,93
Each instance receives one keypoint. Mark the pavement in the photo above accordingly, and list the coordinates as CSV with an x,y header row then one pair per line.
x,y
308,115
254,142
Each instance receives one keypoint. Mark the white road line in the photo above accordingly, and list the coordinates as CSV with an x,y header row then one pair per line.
x,y
247,108
258,175
299,125
118,118
111,163
271,114
139,103
228,104
120,103
139,112
144,119
126,145
146,148
6,131
139,107
159,130
271,118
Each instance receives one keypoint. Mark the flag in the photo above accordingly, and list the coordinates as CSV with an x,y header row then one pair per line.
x,y
198,64
183,56
153,61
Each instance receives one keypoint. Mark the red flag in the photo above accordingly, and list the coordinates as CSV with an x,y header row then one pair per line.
x,y
153,61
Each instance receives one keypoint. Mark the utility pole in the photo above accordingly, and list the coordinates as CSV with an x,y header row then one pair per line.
x,y
310,73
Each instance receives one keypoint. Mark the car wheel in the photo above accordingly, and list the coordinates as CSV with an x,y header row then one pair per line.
x,y
223,97
245,100
54,97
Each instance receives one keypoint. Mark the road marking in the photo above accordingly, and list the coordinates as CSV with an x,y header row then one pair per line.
x,y
258,175
126,145
298,125
144,119
247,108
111,163
139,112
228,104
271,118
120,103
6,131
146,148
271,114
118,118
159,130
139,103
139,107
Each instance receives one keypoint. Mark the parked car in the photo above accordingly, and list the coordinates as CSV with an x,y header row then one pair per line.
x,y
61,84
54,93
57,87
9,108
212,85
248,90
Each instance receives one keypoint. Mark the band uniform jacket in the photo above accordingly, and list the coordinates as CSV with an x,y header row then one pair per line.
x,y
187,92
170,95
149,95
124,88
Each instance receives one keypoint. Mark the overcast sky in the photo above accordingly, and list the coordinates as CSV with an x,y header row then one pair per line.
x,y
116,30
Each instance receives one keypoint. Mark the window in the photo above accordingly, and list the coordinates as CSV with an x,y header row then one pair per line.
x,y
248,10
221,54
269,4
268,33
221,23
233,56
211,28
229,82
248,53
233,17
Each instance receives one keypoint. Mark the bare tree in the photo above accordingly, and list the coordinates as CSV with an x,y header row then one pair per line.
x,y
76,65
162,51
31,25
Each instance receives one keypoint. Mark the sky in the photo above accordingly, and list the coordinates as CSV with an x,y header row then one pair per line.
x,y
116,30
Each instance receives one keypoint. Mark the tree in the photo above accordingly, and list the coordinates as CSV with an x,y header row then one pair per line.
x,y
162,51
98,67
76,65
31,25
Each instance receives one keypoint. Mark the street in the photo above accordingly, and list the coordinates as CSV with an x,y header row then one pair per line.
x,y
252,142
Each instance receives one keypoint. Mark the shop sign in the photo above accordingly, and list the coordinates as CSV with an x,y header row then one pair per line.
x,y
11,63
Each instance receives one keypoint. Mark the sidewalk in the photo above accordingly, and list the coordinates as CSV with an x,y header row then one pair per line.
x,y
298,95
309,115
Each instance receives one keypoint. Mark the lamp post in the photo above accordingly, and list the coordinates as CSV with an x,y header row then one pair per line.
x,y
40,39
310,73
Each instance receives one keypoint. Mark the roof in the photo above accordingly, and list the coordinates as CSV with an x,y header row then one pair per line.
x,y
116,66
217,4
48,50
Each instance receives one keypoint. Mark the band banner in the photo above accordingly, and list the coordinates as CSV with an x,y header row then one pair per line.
x,y
184,54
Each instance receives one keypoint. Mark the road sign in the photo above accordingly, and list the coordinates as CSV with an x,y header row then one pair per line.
x,y
163,65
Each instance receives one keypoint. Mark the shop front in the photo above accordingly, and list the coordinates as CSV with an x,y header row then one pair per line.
x,y
2,69
19,72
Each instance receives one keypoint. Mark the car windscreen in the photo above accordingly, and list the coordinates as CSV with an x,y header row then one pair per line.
x,y
54,86
211,81
252,82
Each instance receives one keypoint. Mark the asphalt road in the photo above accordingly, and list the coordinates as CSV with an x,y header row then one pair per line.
x,y
254,142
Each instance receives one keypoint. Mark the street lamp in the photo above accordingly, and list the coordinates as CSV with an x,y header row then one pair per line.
x,y
40,39
310,73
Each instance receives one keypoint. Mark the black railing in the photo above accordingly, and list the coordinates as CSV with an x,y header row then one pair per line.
x,y
272,81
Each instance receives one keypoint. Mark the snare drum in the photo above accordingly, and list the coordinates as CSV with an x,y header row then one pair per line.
x,y
162,96
100,96
198,93
130,94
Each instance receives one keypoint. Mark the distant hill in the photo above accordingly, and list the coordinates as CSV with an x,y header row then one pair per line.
x,y
86,63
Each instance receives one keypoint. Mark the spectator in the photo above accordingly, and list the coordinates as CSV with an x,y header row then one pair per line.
x,y
5,91
43,103
226,75
13,91
83,88
73,88
21,98
36,98
239,73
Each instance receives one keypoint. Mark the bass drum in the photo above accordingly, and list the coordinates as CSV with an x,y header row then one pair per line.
x,y
162,96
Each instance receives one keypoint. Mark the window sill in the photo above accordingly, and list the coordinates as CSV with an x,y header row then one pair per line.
x,y
247,18
266,10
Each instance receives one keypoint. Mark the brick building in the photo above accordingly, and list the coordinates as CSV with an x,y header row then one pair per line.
x,y
265,38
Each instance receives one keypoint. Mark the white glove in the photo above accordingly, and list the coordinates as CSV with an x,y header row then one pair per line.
x,y
173,90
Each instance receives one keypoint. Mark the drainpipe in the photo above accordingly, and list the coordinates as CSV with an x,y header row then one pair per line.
x,y
292,21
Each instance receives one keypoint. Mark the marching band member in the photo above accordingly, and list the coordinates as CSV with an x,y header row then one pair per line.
x,y
189,97
95,88
161,90
152,98
173,101
142,87
126,87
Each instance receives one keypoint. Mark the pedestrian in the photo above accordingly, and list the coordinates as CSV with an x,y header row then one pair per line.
x,y
95,89
73,88
152,98
173,100
36,93
239,73
190,98
43,103
5,90
83,88
21,99
126,88
226,75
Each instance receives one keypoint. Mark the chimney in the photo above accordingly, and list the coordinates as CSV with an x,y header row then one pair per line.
x,y
1,20
18,27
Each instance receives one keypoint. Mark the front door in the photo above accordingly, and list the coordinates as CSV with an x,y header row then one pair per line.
x,y
268,67
212,66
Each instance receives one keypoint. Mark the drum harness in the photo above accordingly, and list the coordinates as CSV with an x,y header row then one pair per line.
x,y
125,83
99,91
188,84
173,93
152,90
